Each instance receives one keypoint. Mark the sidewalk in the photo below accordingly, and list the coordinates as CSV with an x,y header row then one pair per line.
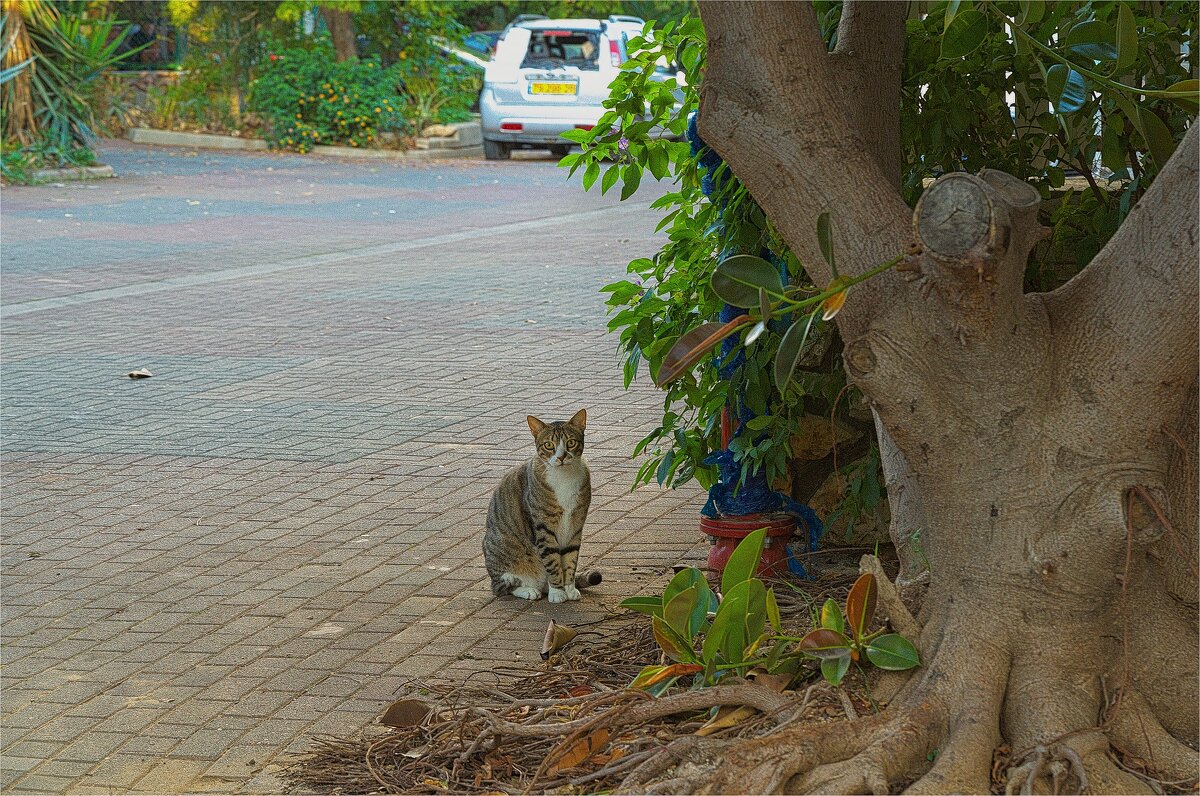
x,y
265,539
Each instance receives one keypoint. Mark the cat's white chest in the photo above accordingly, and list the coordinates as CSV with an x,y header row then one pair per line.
x,y
567,484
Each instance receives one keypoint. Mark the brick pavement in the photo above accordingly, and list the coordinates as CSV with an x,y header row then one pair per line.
x,y
263,541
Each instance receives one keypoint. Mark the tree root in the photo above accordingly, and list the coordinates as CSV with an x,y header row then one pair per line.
x,y
745,693
1136,731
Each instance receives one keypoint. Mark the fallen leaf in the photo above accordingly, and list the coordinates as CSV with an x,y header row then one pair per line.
x,y
557,637
575,691
776,682
579,751
405,713
728,716
139,374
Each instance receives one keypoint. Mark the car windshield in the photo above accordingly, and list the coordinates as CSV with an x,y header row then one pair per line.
x,y
554,48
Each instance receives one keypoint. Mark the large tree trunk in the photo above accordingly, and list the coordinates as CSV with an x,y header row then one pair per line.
x,y
1043,444
341,30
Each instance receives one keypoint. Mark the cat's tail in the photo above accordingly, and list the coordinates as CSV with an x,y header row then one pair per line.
x,y
588,579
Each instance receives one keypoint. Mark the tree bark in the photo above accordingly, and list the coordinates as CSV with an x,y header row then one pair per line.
x,y
1043,445
341,30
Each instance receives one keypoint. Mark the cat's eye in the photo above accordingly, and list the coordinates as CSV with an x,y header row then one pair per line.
x,y
572,443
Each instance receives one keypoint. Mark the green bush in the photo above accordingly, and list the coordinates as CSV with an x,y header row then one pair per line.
x,y
308,98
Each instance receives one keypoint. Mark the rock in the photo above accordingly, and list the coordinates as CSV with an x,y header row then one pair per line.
x,y
438,131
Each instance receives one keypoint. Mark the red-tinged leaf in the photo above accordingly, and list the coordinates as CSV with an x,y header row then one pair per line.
x,y
860,604
654,674
689,349
675,647
825,643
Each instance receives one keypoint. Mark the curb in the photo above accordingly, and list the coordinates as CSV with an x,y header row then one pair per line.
x,y
449,147
412,155
74,174
147,135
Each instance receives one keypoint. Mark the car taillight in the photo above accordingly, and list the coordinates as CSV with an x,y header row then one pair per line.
x,y
614,52
514,126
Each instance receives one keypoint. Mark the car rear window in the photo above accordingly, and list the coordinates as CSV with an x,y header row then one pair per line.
x,y
554,48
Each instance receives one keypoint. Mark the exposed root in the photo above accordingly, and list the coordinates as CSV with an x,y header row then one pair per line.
x,y
1058,767
1137,733
757,765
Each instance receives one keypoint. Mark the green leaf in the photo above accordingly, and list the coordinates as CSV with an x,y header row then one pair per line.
x,y
632,175
759,423
773,611
683,580
1066,88
764,304
823,643
590,174
578,136
860,605
893,652
831,616
1031,13
1112,147
737,280
791,350
1093,39
610,178
1127,38
658,162
951,11
672,643
825,239
832,669
651,606
743,561
1158,136
964,34
1186,94
678,612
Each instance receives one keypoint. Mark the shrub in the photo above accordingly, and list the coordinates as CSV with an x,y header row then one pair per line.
x,y
308,98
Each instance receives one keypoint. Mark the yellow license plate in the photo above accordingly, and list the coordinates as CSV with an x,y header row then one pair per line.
x,y
553,88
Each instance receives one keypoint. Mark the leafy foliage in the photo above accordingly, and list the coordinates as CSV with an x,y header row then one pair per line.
x,y
742,628
53,59
841,638
309,98
1058,63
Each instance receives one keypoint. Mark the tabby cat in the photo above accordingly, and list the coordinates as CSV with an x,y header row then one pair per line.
x,y
535,519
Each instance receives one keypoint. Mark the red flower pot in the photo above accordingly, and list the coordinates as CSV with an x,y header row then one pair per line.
x,y
724,533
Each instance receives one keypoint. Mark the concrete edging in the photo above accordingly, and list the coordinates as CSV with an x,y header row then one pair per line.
x,y
74,174
398,154
148,135
466,142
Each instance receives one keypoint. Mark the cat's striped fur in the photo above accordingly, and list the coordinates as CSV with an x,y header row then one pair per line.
x,y
535,519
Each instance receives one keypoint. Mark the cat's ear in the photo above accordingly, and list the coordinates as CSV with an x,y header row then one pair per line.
x,y
579,419
535,425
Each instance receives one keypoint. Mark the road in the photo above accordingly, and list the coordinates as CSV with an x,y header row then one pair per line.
x,y
268,537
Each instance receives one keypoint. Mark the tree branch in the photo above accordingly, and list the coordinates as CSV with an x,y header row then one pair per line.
x,y
870,53
781,111
1126,326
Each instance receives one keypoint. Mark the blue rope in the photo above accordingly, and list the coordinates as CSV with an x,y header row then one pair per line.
x,y
755,495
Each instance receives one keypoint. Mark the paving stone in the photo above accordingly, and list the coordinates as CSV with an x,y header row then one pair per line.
x,y
269,537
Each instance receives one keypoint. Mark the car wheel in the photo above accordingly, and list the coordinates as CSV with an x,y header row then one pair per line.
x,y
495,150
560,150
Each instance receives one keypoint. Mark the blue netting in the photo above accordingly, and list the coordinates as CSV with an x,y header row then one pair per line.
x,y
755,495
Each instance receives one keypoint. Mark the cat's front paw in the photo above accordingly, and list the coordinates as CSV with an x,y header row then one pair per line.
x,y
528,593
558,595
572,592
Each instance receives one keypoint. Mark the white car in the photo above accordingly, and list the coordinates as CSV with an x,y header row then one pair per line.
x,y
549,76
